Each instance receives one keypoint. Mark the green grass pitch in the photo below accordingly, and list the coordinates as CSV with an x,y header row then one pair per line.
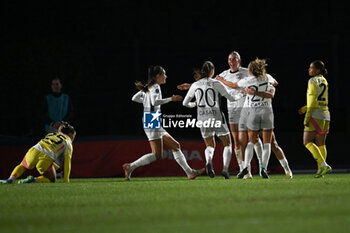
x,y
175,204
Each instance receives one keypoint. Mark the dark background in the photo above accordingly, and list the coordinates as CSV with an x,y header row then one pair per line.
x,y
100,48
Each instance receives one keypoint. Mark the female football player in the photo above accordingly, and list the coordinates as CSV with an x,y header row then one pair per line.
x,y
234,74
243,135
150,96
317,116
207,92
44,154
260,113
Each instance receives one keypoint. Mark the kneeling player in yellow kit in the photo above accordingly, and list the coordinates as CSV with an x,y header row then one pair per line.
x,y
44,154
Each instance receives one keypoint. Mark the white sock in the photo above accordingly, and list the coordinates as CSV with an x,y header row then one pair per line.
x,y
12,178
144,160
323,164
249,169
248,154
239,160
209,153
181,160
226,155
258,150
284,164
266,154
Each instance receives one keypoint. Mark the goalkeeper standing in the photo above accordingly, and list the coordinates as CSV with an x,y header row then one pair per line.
x,y
317,116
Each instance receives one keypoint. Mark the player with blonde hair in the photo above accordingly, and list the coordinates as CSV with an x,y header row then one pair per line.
x,y
233,75
243,135
317,116
259,112
43,156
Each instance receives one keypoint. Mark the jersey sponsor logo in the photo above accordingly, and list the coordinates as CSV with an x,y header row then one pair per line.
x,y
151,120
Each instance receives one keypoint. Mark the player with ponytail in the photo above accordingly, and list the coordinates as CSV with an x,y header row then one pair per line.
x,y
150,95
208,92
317,116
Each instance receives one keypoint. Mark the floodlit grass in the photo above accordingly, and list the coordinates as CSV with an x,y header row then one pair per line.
x,y
175,204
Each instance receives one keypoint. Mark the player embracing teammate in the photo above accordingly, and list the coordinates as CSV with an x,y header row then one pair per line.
x,y
230,79
249,93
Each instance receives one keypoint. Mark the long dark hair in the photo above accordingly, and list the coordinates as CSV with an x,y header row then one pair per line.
x,y
204,72
153,71
320,66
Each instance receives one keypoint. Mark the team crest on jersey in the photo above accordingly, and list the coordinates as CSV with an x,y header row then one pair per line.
x,y
151,120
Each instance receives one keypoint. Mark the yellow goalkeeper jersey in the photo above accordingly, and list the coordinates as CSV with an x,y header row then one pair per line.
x,y
54,145
317,99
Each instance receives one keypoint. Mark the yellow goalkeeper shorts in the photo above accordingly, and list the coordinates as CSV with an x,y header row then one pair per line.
x,y
318,125
36,158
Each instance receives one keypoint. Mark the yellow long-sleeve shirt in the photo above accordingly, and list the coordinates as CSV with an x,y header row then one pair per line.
x,y
54,145
316,99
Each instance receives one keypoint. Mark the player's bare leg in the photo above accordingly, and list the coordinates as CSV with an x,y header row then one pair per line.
x,y
237,146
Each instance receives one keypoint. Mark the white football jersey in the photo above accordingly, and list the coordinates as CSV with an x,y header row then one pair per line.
x,y
234,77
152,99
260,84
208,92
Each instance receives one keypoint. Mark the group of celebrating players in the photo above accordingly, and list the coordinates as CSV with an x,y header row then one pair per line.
x,y
249,92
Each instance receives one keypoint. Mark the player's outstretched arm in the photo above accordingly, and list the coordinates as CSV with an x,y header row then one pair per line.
x,y
184,86
227,83
176,98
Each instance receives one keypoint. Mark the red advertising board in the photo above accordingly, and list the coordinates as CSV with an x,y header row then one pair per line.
x,y
105,159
